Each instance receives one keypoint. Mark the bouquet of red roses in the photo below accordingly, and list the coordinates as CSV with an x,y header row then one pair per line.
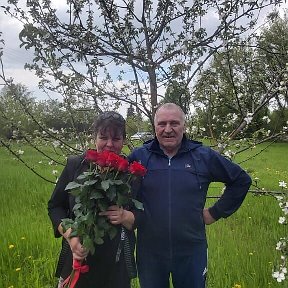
x,y
106,183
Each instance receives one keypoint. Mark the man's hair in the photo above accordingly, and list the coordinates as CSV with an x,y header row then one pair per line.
x,y
170,106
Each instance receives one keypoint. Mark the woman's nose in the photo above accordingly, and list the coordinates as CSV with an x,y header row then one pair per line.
x,y
109,142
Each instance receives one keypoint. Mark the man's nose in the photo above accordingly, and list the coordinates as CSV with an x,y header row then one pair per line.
x,y
168,128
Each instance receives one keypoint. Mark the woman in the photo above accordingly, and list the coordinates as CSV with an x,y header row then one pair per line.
x,y
105,271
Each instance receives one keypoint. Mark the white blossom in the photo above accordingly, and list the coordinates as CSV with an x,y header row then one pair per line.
x,y
285,208
281,244
266,118
248,118
56,143
279,276
54,172
282,184
282,220
20,152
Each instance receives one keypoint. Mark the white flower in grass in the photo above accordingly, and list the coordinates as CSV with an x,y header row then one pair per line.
x,y
282,184
279,198
285,208
284,270
280,245
279,276
54,172
282,220
20,152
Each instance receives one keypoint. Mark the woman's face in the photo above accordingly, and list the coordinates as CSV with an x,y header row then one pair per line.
x,y
105,140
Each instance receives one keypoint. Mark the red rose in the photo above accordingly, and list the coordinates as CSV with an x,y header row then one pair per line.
x,y
137,169
102,158
91,155
123,164
112,160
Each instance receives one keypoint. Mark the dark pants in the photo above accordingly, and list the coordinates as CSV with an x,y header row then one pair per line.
x,y
186,271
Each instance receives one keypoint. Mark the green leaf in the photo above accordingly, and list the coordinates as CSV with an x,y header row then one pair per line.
x,y
73,185
122,200
111,193
74,233
96,195
84,175
66,224
138,204
99,240
90,182
103,205
88,243
105,184
77,192
117,182
77,206
112,232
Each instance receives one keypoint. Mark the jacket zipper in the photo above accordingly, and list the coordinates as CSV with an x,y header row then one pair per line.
x,y
169,198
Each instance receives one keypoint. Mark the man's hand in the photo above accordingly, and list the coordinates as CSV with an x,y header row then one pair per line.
x,y
208,219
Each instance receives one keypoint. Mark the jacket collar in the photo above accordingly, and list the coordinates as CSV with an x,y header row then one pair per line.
x,y
186,145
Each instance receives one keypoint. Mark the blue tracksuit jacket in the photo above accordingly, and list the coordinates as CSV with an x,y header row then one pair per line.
x,y
174,191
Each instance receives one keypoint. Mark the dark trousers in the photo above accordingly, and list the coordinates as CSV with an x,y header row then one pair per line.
x,y
186,271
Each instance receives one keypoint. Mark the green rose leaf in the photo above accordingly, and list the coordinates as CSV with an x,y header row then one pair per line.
x,y
90,182
73,185
105,184
112,232
138,204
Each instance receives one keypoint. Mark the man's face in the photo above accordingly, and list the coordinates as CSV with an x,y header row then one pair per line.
x,y
169,128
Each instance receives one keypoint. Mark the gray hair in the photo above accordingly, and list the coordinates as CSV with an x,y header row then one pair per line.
x,y
170,106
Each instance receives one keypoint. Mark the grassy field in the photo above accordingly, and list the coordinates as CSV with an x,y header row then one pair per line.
x,y
241,248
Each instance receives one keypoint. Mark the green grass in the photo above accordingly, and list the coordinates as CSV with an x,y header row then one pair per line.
x,y
241,248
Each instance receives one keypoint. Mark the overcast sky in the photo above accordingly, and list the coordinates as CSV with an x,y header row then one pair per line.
x,y
14,58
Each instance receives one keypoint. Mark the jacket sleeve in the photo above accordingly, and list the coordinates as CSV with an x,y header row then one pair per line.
x,y
58,204
237,183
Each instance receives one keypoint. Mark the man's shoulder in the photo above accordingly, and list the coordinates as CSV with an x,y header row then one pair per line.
x,y
200,148
138,153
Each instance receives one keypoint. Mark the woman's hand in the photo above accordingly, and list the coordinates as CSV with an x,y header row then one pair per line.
x,y
78,251
117,215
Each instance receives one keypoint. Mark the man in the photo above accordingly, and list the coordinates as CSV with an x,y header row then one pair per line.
x,y
171,237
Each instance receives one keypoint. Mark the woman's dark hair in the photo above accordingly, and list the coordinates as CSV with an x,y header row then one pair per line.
x,y
112,121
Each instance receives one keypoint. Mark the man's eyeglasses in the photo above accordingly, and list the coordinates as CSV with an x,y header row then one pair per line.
x,y
111,114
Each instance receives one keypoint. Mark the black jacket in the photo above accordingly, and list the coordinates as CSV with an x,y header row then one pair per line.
x,y
60,206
